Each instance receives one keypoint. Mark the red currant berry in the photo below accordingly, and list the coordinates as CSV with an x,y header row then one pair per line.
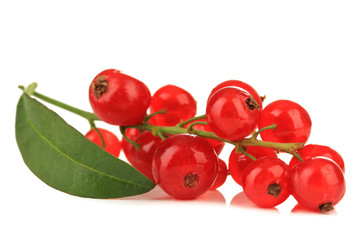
x,y
317,185
239,161
132,134
178,103
293,123
112,143
185,166
236,83
216,144
312,151
232,113
221,176
142,159
265,182
119,99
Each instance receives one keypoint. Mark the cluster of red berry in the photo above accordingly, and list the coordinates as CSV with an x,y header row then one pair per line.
x,y
187,165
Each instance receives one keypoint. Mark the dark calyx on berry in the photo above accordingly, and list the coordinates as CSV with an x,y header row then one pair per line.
x,y
274,189
326,207
191,180
251,103
99,86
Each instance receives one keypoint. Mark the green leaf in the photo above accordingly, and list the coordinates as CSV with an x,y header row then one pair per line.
x,y
64,159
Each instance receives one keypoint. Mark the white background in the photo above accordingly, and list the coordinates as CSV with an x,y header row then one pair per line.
x,y
305,51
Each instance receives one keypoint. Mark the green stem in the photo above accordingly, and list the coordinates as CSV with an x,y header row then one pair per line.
x,y
182,124
278,146
211,135
157,132
272,126
246,153
135,144
190,129
93,126
163,129
297,155
87,115
147,118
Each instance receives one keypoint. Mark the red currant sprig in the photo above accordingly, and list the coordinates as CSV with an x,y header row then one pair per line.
x,y
179,151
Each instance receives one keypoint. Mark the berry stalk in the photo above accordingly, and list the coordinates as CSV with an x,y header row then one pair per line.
x,y
251,141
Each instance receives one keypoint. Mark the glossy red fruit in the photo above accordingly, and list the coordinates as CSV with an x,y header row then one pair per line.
x,y
142,159
265,182
239,161
119,99
293,123
312,151
232,113
185,166
132,134
179,105
112,143
317,185
236,83
216,144
221,176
